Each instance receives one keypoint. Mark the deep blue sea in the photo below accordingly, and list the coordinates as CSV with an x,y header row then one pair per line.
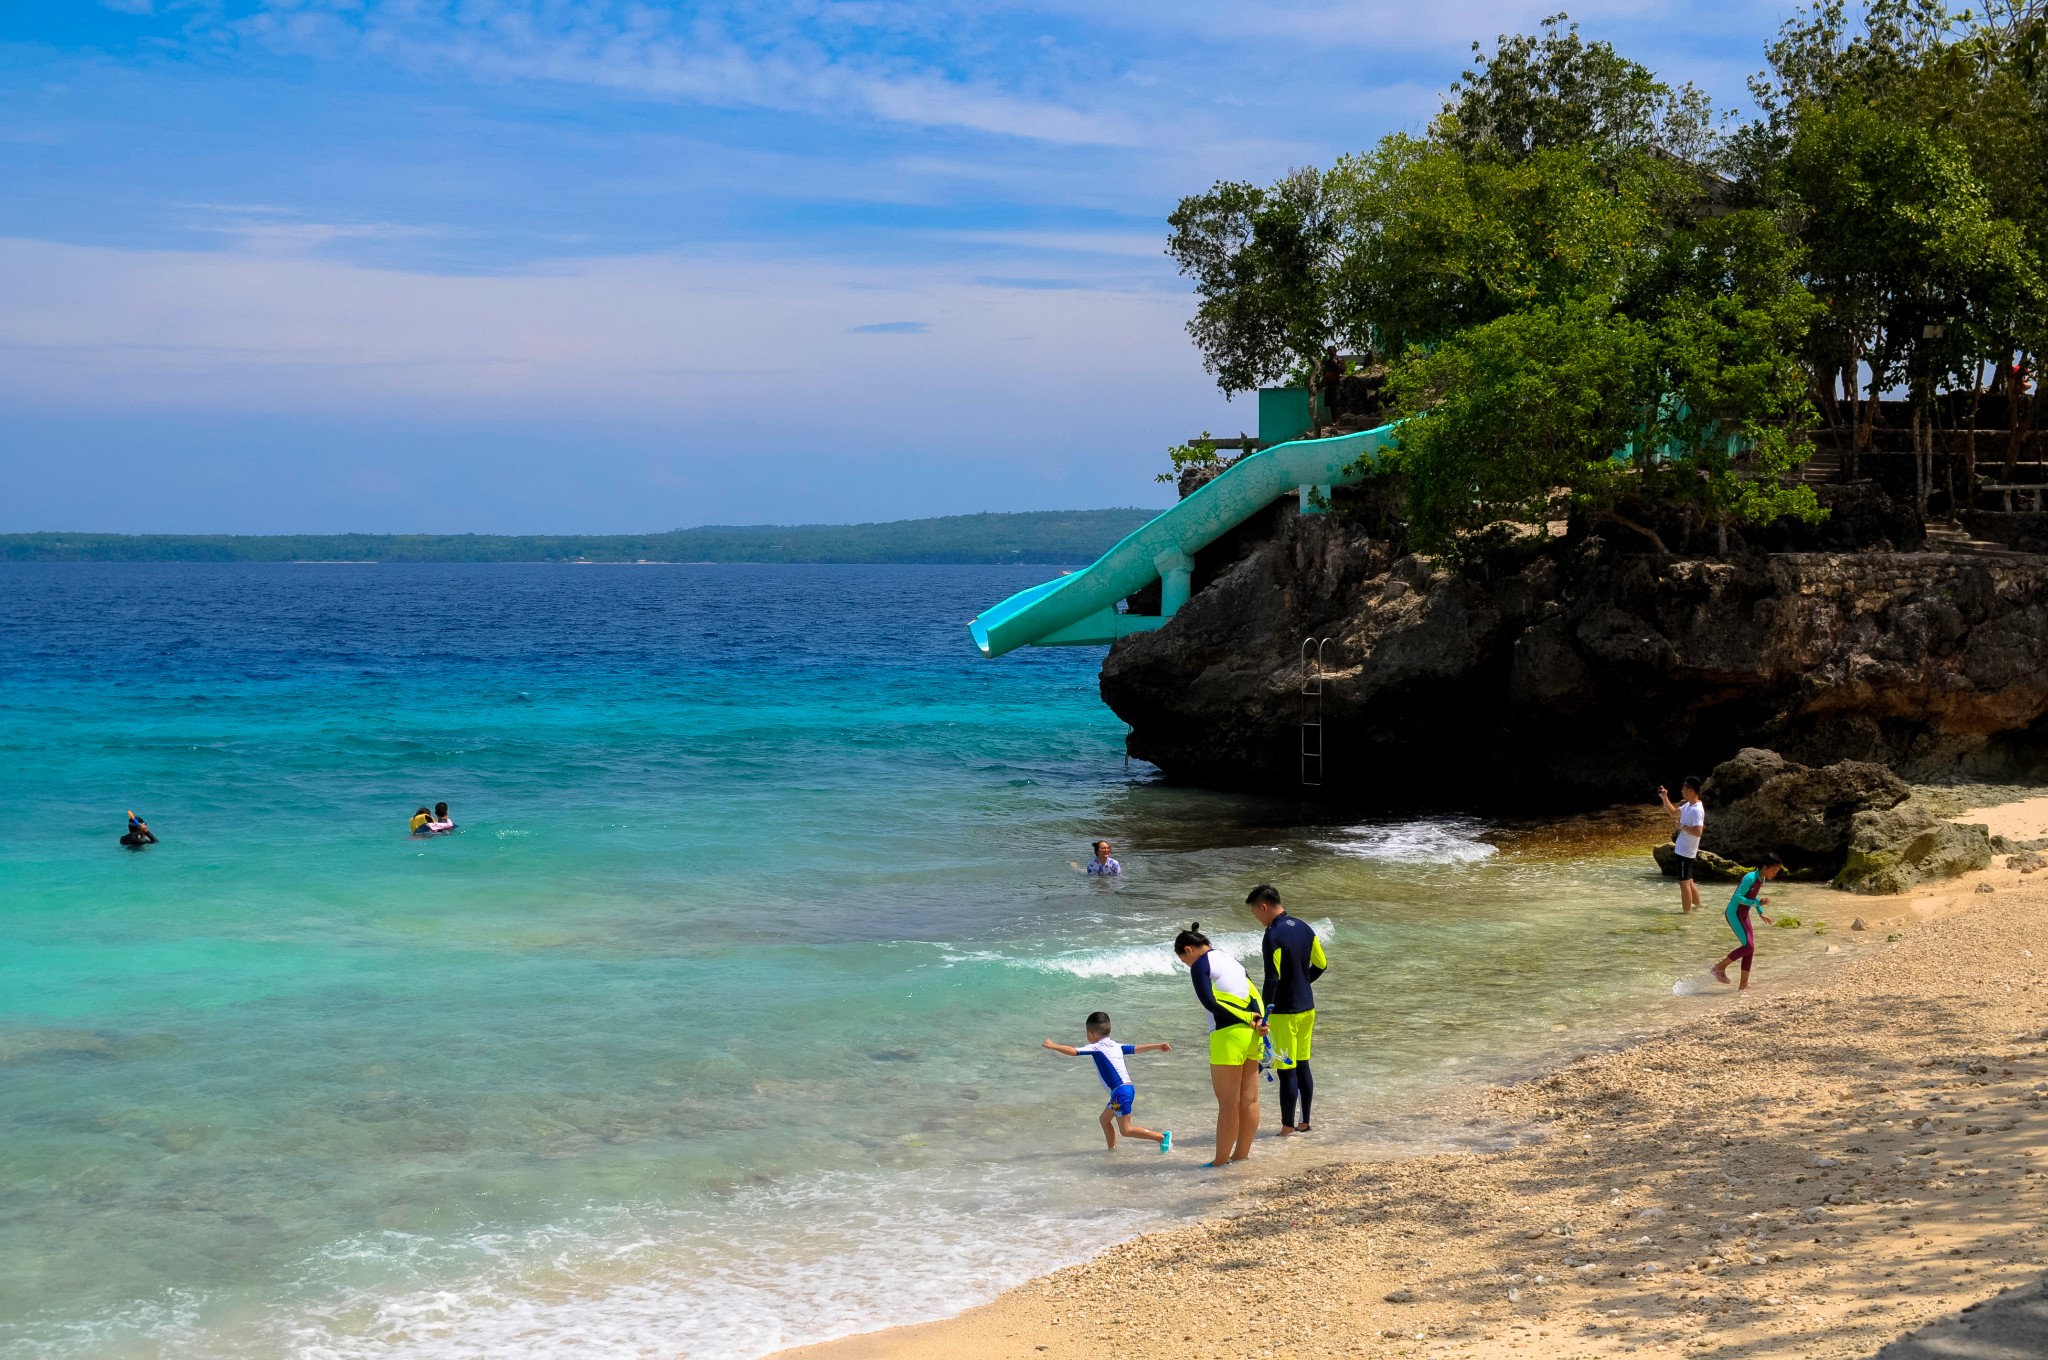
x,y
715,1027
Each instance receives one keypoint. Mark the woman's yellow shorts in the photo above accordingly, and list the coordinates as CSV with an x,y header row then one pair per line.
x,y
1292,1033
1233,1046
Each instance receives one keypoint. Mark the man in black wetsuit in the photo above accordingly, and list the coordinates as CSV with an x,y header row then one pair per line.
x,y
138,834
1293,959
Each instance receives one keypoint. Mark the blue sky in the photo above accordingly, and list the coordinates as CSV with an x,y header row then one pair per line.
x,y
577,265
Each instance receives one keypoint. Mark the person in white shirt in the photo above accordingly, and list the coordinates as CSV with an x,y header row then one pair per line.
x,y
1685,841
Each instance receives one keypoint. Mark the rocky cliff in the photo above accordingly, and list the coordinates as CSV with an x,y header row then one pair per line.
x,y
1580,674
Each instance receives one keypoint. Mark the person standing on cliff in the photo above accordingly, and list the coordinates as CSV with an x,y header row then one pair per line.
x,y
1332,374
1685,842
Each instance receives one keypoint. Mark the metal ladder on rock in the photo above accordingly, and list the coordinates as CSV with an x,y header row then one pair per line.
x,y
1312,650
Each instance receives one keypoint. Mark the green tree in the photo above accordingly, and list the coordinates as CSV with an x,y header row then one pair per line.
x,y
1260,261
1913,248
1917,270
1728,316
1557,91
1685,390
1431,242
1510,414
1573,311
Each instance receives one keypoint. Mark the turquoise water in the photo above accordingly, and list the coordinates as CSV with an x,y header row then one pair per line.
x,y
715,1028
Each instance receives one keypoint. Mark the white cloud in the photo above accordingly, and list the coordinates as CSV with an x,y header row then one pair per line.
x,y
722,337
732,59
1147,244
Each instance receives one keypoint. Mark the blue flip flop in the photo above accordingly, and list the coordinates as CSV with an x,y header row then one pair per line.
x,y
1166,1141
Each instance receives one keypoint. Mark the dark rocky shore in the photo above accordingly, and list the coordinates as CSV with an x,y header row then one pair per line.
x,y
1587,670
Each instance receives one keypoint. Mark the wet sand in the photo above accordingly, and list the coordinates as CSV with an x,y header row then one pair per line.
x,y
1801,1172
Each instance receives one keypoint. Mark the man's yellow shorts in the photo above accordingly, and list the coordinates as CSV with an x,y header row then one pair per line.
x,y
1293,1035
1233,1046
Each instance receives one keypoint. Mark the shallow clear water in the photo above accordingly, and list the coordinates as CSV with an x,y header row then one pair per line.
x,y
727,993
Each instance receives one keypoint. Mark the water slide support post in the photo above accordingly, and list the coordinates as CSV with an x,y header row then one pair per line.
x,y
1176,581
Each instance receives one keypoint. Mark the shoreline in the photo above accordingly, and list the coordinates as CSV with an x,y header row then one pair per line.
x,y
1690,1191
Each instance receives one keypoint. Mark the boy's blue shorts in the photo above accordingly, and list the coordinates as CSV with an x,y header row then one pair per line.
x,y
1120,1099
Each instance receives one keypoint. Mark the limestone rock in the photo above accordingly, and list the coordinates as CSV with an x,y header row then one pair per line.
x,y
1759,802
1899,848
1708,867
2026,861
1587,672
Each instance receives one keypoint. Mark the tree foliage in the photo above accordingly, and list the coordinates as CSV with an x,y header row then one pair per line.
x,y
1556,91
1911,151
1260,259
1587,295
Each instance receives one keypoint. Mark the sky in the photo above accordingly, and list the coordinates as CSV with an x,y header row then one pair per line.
x,y
530,266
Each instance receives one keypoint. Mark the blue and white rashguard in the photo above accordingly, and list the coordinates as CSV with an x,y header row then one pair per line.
x,y
1109,1065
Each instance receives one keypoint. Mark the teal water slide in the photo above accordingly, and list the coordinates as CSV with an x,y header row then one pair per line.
x,y
1081,609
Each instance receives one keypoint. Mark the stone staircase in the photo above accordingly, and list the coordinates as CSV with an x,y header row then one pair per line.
x,y
1824,466
1953,538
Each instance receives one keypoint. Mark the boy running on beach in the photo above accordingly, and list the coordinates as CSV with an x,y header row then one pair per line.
x,y
1109,1065
1739,908
1685,842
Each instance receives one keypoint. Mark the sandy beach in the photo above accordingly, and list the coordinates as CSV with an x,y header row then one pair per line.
x,y
1808,1170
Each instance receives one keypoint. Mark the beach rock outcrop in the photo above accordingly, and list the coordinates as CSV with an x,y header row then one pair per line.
x,y
1576,674
1759,802
1903,847
1853,823
1707,866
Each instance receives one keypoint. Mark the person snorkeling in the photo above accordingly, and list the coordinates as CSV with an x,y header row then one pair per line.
x,y
138,833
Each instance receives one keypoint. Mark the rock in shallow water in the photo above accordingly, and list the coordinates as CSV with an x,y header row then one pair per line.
x,y
1707,866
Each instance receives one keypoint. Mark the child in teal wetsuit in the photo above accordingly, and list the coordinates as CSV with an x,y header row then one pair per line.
x,y
1746,900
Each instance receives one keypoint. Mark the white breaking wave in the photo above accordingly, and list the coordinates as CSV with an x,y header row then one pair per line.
x,y
1446,840
1146,960
660,1283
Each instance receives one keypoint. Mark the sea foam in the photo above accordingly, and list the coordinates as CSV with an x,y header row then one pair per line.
x,y
655,1282
1146,960
1442,840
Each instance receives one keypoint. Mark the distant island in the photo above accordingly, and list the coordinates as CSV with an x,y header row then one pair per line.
x,y
1040,536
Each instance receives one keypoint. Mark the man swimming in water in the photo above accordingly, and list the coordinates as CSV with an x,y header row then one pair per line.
x,y
138,833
